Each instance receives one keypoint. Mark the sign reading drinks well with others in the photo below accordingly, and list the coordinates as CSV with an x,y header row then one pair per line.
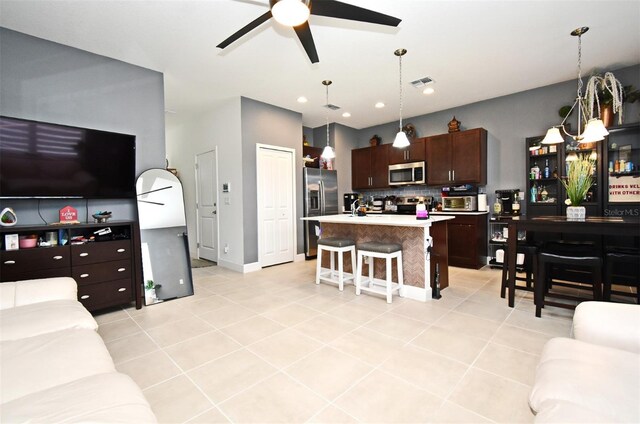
x,y
624,189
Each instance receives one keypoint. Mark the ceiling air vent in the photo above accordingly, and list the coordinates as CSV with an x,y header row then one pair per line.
x,y
420,83
332,107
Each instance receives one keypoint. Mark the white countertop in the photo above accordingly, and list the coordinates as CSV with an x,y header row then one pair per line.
x,y
459,213
380,219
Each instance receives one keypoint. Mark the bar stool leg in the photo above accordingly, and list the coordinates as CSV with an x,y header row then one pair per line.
x,y
353,261
400,275
606,295
318,264
597,284
370,260
359,273
340,271
333,264
539,289
388,279
503,286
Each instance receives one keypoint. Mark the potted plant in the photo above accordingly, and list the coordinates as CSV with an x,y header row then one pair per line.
x,y
606,95
578,181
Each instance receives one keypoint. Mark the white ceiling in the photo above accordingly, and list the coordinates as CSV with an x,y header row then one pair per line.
x,y
474,50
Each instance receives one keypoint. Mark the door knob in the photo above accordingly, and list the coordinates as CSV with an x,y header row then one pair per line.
x,y
214,212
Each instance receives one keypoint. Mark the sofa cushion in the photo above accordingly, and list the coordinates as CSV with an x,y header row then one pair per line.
x,y
559,411
608,324
26,292
590,376
41,362
107,398
45,317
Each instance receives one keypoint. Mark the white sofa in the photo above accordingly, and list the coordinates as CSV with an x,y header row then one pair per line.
x,y
53,364
595,376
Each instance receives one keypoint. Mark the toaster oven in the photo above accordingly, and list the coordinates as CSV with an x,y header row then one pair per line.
x,y
460,203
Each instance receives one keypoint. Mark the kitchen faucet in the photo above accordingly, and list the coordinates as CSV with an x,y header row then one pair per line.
x,y
353,207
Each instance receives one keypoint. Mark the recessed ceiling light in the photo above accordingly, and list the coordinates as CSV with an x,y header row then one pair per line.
x,y
346,115
428,90
302,99
379,105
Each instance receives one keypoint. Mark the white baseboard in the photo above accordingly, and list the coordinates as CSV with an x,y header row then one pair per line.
x,y
252,267
416,293
299,258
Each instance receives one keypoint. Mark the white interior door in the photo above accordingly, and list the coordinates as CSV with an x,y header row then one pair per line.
x,y
275,205
207,201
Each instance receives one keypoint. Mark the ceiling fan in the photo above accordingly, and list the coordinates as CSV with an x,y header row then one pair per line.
x,y
295,13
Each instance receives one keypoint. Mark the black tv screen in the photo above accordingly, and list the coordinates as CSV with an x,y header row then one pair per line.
x,y
39,159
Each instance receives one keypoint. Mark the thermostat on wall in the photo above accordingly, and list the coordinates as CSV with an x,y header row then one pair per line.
x,y
225,188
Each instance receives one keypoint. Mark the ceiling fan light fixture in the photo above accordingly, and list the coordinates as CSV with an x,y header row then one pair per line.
x,y
290,12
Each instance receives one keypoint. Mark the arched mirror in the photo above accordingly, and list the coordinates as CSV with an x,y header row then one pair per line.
x,y
166,266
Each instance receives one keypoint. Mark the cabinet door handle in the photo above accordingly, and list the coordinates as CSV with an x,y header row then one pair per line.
x,y
121,250
84,275
84,296
83,254
449,175
122,269
57,258
9,262
121,289
454,175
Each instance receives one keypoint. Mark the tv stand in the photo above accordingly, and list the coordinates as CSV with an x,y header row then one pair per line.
x,y
108,270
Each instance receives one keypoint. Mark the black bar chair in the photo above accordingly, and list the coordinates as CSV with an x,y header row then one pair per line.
x,y
529,267
622,267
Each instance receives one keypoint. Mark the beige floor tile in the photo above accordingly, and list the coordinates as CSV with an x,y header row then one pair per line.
x,y
251,330
178,331
455,414
493,311
332,415
455,346
382,398
265,303
291,314
527,305
226,376
397,326
276,399
468,324
325,328
227,315
328,372
370,346
557,327
521,339
323,303
284,348
427,370
176,400
115,330
103,317
493,397
212,416
426,312
447,301
129,347
200,349
155,316
507,362
149,369
355,313
208,304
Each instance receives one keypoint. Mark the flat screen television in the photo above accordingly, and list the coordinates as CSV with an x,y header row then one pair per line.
x,y
44,160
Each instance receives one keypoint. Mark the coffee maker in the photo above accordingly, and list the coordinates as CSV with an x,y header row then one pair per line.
x,y
510,200
349,198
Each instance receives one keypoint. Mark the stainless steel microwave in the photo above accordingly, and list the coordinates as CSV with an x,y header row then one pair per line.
x,y
407,173
459,203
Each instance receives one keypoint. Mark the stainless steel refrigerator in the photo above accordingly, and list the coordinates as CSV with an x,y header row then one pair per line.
x,y
320,198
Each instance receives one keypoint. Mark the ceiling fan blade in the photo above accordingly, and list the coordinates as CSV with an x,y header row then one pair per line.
x,y
247,28
336,9
304,34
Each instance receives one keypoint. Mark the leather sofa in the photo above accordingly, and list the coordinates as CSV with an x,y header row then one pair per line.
x,y
54,365
594,376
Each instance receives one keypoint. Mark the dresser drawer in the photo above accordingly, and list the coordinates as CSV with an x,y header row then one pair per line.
x,y
103,295
105,271
29,263
91,253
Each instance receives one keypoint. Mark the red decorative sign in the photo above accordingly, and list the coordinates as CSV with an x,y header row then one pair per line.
x,y
68,215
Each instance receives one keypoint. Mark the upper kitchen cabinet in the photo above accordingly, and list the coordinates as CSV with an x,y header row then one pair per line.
x,y
457,158
370,167
415,152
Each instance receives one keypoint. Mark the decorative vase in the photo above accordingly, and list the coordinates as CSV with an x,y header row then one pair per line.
x,y
606,114
576,213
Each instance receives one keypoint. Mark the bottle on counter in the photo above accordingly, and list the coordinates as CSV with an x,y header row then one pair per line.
x,y
534,194
497,207
536,171
515,206
544,195
547,171
610,166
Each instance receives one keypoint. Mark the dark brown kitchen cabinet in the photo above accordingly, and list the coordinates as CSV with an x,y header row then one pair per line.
x,y
314,153
467,239
415,152
457,158
370,167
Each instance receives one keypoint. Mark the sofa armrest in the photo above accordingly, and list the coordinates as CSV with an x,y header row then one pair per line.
x,y
608,324
26,292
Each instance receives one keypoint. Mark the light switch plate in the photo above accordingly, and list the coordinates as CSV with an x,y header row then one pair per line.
x,y
226,187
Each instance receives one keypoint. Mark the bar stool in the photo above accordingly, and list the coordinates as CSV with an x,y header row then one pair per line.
x,y
338,246
627,271
386,251
572,255
530,268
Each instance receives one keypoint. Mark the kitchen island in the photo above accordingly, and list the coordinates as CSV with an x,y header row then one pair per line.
x,y
424,243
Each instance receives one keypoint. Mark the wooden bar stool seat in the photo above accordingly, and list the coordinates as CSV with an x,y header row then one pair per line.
x,y
339,246
387,251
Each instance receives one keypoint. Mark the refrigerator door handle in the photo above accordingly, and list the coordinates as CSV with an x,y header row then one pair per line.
x,y
322,199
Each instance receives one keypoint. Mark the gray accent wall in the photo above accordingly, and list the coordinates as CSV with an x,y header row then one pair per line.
x,y
46,81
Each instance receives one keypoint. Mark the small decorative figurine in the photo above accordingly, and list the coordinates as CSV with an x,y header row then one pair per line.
x,y
410,131
8,217
454,125
375,140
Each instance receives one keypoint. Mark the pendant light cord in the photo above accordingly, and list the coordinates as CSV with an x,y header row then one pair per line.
x,y
400,92
327,86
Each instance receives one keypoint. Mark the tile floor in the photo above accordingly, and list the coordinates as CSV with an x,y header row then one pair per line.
x,y
271,346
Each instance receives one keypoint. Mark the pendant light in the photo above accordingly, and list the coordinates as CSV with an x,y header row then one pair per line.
x,y
401,139
328,152
594,130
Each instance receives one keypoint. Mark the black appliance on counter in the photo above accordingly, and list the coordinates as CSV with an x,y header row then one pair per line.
x,y
349,198
510,200
407,205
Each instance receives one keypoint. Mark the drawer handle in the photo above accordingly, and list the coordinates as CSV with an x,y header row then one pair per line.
x,y
121,250
122,269
83,254
121,289
9,262
57,258
84,296
84,275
